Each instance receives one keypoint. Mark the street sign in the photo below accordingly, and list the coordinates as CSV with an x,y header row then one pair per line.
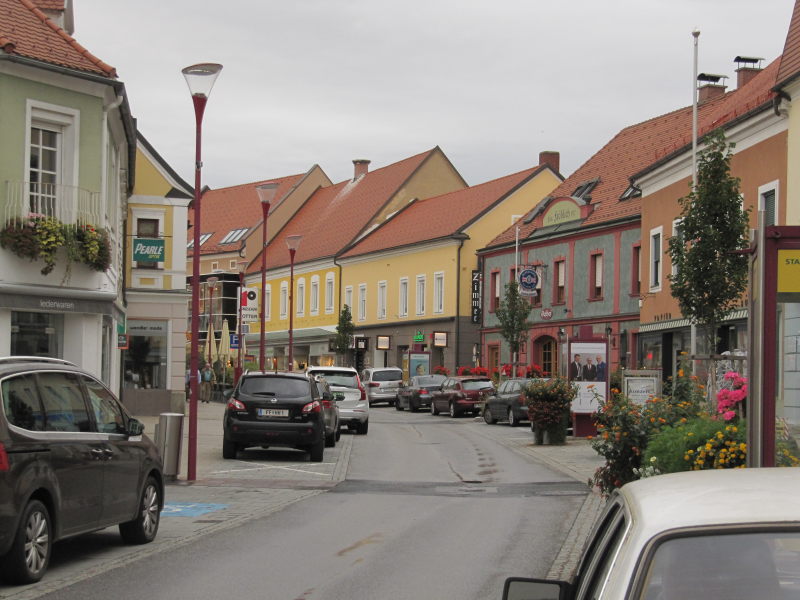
x,y
234,341
249,299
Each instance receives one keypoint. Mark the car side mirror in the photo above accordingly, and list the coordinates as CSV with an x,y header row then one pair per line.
x,y
135,427
518,588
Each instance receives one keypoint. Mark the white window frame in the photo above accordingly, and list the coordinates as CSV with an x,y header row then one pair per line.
x,y
300,300
232,265
772,186
330,291
420,294
402,301
313,305
676,231
438,292
656,268
362,301
382,299
267,302
284,300
348,298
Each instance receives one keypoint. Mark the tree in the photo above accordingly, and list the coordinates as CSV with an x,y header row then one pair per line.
x,y
709,275
512,312
344,332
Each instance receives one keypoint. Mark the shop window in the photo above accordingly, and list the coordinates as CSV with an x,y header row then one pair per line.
x,y
37,334
145,360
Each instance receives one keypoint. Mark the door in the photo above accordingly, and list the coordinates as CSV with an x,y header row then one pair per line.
x,y
493,358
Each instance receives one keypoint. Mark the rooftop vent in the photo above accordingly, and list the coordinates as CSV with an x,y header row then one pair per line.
x,y
710,87
747,67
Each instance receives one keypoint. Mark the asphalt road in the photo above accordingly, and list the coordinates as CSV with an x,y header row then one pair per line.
x,y
431,508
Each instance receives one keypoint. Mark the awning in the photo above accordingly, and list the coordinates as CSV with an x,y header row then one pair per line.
x,y
736,315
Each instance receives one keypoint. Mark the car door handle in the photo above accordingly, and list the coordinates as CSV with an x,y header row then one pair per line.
x,y
98,453
109,453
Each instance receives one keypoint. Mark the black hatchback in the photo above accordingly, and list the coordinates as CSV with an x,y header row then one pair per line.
x,y
72,460
276,408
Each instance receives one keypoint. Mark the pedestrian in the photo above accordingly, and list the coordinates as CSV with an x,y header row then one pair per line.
x,y
207,380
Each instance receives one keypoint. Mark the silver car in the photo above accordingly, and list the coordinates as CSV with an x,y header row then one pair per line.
x,y
354,408
382,384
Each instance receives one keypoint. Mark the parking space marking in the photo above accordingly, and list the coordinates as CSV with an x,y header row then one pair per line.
x,y
264,467
190,509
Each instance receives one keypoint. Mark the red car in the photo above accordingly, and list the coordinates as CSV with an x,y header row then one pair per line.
x,y
459,395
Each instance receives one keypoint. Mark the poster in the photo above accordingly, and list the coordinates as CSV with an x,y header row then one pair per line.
x,y
588,369
419,363
641,385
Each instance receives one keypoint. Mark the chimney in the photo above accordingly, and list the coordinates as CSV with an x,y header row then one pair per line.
x,y
550,158
58,11
711,88
747,67
361,167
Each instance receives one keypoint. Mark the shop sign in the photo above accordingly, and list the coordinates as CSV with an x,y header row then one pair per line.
x,y
136,327
641,385
788,271
122,341
546,314
419,337
362,343
562,211
249,300
440,339
383,342
528,280
476,298
148,250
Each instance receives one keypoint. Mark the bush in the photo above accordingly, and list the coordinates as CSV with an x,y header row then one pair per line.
x,y
667,449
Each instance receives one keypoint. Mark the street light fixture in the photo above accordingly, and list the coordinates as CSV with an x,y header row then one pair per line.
x,y
238,371
293,242
266,193
200,78
211,282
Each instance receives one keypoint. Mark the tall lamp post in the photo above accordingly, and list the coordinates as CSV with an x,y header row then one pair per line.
x,y
200,78
238,371
266,193
293,242
212,284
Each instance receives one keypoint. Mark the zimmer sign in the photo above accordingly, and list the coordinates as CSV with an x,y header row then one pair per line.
x,y
148,250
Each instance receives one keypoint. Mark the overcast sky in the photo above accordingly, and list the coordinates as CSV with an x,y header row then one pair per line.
x,y
492,83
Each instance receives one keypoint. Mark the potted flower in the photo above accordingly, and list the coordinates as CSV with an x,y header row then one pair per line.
x,y
35,237
441,370
549,402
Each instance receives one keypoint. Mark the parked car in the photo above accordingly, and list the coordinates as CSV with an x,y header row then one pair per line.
x,y
277,408
461,394
508,403
354,407
382,384
417,392
330,408
72,460
731,533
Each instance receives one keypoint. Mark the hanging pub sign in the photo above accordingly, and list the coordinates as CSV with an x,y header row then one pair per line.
x,y
148,250
528,280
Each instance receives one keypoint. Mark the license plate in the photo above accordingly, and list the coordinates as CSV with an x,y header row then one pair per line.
x,y
273,412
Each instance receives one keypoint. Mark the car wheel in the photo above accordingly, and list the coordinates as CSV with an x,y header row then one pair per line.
x,y
397,405
338,433
330,440
229,448
143,528
412,407
487,416
512,418
434,410
316,451
362,428
29,555
453,413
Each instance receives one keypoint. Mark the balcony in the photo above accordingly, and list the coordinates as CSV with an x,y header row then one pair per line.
x,y
69,204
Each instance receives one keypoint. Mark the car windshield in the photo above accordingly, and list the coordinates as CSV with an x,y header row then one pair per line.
x,y
340,378
274,386
390,375
481,384
428,380
753,565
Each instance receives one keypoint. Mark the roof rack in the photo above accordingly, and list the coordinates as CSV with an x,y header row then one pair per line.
x,y
45,359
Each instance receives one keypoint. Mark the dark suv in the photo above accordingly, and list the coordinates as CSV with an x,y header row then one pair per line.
x,y
279,408
71,461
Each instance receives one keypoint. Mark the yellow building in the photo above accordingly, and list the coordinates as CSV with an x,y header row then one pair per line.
x,y
155,286
409,283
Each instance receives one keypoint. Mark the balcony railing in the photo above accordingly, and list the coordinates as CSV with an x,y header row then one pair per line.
x,y
69,204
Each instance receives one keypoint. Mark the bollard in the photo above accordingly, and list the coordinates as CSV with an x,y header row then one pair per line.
x,y
169,435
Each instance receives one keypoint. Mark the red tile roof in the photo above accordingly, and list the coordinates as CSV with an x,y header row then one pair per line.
x,y
26,31
790,63
334,216
230,208
440,216
49,4
639,147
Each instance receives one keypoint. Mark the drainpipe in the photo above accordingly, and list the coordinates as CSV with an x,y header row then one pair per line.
x,y
461,237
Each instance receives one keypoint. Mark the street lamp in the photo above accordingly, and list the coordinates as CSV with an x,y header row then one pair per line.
x,y
266,192
239,329
292,241
212,283
200,79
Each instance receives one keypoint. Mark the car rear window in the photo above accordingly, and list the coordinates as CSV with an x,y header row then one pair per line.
x,y
340,378
429,379
478,385
393,375
275,386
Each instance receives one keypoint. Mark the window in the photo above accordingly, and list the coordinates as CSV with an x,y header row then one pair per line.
x,y
267,302
438,293
584,190
348,297
768,201
232,265
203,239
44,175
631,192
596,276
107,413
233,236
559,285
636,277
300,301
214,267
494,289
655,258
362,302
21,402
548,357
284,299
329,287
63,403
676,233
420,294
403,299
381,299
314,307
147,228
536,300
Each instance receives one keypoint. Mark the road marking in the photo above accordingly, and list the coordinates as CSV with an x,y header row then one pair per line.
x,y
190,509
263,467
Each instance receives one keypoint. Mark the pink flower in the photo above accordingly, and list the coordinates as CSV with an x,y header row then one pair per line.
x,y
729,414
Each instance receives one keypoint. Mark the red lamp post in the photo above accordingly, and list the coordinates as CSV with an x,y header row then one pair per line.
x,y
292,241
266,192
200,79
238,371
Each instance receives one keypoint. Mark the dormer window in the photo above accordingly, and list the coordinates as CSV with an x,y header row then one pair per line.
x,y
233,236
584,190
631,192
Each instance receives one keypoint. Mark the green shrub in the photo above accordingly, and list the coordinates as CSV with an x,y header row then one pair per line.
x,y
667,448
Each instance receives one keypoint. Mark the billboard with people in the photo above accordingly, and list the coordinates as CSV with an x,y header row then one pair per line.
x,y
588,369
